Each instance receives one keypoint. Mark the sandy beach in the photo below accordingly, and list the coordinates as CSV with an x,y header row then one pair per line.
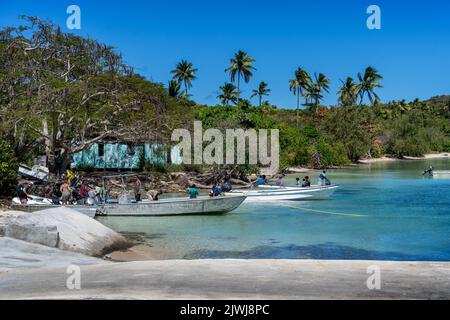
x,y
234,279
442,155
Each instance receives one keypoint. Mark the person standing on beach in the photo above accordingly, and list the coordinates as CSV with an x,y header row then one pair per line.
x,y
137,189
65,191
83,192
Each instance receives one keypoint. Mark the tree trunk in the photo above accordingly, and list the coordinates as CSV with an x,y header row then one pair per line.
x,y
66,160
49,147
238,88
260,101
298,105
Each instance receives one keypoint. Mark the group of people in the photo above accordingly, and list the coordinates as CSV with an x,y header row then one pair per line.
x,y
67,192
215,191
77,192
72,190
306,182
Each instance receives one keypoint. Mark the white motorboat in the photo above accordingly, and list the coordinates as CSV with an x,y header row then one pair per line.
x,y
271,193
440,173
170,206
35,203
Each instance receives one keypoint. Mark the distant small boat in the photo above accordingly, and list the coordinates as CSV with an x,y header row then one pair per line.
x,y
171,206
440,173
39,203
271,193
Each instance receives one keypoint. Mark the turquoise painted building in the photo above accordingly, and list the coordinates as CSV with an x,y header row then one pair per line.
x,y
124,156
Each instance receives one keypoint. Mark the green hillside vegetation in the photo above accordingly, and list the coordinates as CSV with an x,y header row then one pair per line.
x,y
60,93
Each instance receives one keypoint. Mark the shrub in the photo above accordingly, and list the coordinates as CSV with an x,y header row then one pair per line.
x,y
8,169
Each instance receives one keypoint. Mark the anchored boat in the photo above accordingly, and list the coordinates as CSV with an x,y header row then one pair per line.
x,y
171,206
441,173
270,193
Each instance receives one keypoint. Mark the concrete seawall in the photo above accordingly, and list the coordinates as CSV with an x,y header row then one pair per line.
x,y
234,279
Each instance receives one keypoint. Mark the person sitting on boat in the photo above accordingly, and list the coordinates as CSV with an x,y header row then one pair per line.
x,y
55,199
429,171
22,192
153,195
280,181
226,186
193,192
297,181
306,183
261,180
215,191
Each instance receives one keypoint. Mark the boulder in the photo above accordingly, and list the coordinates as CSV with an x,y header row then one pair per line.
x,y
20,254
62,228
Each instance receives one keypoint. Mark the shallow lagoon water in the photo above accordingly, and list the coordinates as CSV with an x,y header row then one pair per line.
x,y
395,214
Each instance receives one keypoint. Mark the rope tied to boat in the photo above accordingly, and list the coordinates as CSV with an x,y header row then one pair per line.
x,y
355,215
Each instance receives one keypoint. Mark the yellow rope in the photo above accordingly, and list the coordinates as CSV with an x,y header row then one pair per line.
x,y
327,212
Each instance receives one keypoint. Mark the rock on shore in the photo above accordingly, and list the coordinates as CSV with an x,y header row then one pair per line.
x,y
61,228
16,254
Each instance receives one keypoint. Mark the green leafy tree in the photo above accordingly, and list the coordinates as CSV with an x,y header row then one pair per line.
x,y
367,85
228,94
241,66
316,89
8,169
298,87
348,93
174,88
261,91
185,72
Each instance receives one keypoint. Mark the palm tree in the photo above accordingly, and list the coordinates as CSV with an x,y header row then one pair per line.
x,y
298,86
184,72
367,83
229,94
348,92
316,88
241,66
261,91
174,88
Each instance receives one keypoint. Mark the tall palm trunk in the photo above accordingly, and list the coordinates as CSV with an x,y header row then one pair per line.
x,y
238,88
260,100
298,104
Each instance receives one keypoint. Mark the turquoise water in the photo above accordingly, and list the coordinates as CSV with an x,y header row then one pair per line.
x,y
404,216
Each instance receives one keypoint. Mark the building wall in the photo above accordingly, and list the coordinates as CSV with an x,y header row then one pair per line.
x,y
119,156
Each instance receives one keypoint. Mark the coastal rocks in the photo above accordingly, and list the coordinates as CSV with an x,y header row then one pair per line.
x,y
62,228
20,254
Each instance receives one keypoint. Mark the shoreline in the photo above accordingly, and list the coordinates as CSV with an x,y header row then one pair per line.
x,y
442,155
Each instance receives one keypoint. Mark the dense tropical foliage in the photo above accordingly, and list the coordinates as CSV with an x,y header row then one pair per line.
x,y
60,93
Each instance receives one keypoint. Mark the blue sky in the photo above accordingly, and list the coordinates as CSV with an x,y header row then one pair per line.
x,y
411,50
